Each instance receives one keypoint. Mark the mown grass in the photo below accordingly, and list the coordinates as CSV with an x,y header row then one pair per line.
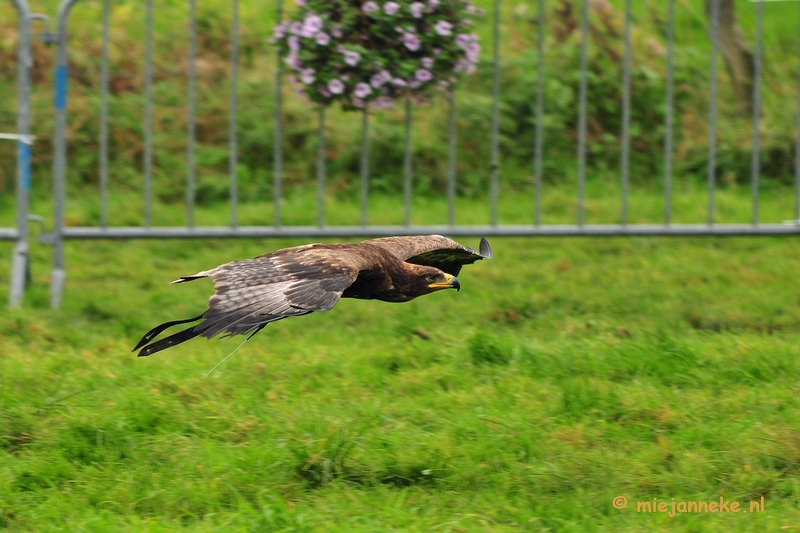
x,y
566,373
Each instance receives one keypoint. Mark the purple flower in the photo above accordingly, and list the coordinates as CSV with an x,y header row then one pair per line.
x,y
443,27
307,76
335,86
323,38
336,31
461,65
294,43
462,40
293,61
311,25
279,33
432,4
473,50
411,41
427,62
382,102
416,9
325,92
300,3
380,78
400,82
390,8
296,28
362,90
423,75
351,58
369,7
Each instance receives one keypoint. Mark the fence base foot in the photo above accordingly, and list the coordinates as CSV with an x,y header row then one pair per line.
x,y
19,270
57,287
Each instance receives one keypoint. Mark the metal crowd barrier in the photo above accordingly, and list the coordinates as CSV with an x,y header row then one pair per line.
x,y
61,232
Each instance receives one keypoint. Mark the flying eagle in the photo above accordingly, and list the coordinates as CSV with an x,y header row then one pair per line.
x,y
296,281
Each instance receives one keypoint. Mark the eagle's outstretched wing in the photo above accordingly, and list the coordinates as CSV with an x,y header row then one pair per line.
x,y
434,250
250,294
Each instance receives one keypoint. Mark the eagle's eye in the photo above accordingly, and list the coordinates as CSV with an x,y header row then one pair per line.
x,y
430,278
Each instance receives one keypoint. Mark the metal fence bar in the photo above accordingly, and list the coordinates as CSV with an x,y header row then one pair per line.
x,y
232,138
539,142
321,169
755,166
190,112
148,115
451,160
364,166
58,276
495,154
19,259
550,230
669,113
278,153
582,110
104,120
407,168
626,113
712,110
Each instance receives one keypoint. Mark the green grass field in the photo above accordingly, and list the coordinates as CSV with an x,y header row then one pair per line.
x,y
567,372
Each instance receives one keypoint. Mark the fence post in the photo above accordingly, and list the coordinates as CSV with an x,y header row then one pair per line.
x,y
60,154
19,262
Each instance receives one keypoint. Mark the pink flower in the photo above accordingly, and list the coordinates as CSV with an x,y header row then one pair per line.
x,y
351,58
461,65
443,27
432,4
423,75
416,9
323,38
294,43
311,25
307,76
369,7
411,41
293,61
390,8
325,92
400,82
473,51
336,31
300,3
279,33
382,102
362,90
336,86
427,62
296,28
379,79
462,40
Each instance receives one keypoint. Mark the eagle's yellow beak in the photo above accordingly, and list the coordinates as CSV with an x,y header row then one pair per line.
x,y
451,282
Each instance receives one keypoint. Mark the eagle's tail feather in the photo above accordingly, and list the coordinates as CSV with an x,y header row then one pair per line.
x,y
153,333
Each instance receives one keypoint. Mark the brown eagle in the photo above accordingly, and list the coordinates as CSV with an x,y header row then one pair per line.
x,y
296,281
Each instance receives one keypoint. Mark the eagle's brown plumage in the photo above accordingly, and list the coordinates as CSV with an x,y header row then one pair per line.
x,y
250,294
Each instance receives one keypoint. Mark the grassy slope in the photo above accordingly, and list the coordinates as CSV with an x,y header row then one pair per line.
x,y
565,373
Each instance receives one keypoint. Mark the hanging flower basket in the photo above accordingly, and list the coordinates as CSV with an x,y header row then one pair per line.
x,y
372,53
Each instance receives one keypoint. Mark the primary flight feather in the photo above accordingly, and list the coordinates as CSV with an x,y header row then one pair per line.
x,y
251,293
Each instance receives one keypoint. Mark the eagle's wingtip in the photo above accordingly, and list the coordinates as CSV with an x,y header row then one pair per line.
x,y
485,249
